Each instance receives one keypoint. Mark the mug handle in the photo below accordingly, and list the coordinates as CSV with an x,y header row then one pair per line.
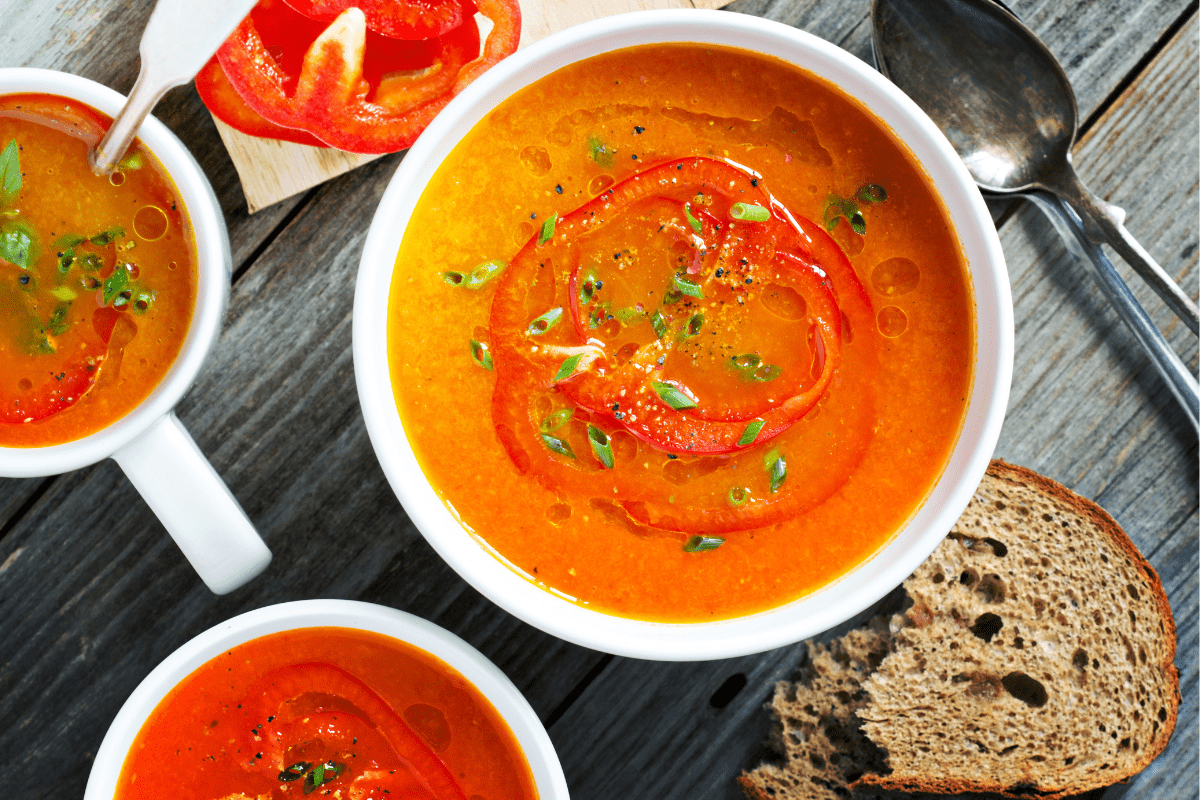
x,y
194,504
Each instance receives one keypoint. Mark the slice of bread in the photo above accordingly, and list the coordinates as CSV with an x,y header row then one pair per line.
x,y
1036,660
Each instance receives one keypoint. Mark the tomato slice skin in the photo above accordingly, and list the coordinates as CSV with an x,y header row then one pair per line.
x,y
398,19
304,705
792,251
336,94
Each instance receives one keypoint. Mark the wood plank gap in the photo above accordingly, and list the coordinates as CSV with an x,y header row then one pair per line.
x,y
578,691
270,238
1159,45
12,522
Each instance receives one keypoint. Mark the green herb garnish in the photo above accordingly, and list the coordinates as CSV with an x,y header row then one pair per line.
x,y
629,315
16,245
687,286
322,774
556,420
587,289
477,277
659,324
545,322
114,284
746,362
694,325
749,213
698,544
64,293
479,353
839,208
598,315
600,152
144,299
557,445
601,446
767,372
131,161
10,170
872,193
776,468
672,396
57,325
567,369
547,232
751,433
687,212
738,496
295,771
106,237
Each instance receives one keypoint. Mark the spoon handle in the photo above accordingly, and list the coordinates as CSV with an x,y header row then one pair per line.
x,y
179,38
1102,225
1179,379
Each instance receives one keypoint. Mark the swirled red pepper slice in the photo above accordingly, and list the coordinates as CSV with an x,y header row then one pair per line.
x,y
310,714
399,19
563,393
228,106
59,391
332,94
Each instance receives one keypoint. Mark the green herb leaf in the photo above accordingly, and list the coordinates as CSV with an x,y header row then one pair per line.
x,y
659,324
694,325
57,325
479,354
600,152
295,771
89,262
454,278
598,315
567,368
858,223
10,169
114,284
545,322
685,285
557,445
556,420
629,315
548,229
673,396
747,362
751,433
106,237
69,240
687,212
672,296
872,193
145,299
699,544
767,372
601,446
64,293
317,776
738,496
483,273
587,289
750,213
131,161
16,245
776,468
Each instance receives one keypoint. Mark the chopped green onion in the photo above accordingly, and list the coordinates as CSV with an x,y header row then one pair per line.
x,y
751,433
750,213
600,152
672,396
295,771
688,286
567,369
64,294
587,289
58,321
557,445
738,496
131,161
483,273
548,229
107,237
747,362
142,304
629,315
659,324
776,468
545,322
687,212
479,353
69,240
767,372
556,420
454,278
598,315
672,296
601,446
858,223
698,544
115,284
90,262
872,193
694,325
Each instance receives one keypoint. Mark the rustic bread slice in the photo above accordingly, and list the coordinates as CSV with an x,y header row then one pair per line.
x,y
1036,660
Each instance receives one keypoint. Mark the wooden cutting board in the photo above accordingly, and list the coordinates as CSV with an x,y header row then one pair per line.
x,y
271,170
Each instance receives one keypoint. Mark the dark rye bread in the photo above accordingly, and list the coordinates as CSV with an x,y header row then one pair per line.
x,y
1036,660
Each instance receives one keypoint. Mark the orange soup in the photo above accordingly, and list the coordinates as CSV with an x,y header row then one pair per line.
x,y
97,274
681,332
331,712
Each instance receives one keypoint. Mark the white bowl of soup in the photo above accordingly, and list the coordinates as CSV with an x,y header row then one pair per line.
x,y
328,696
683,335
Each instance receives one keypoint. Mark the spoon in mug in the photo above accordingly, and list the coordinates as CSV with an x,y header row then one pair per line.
x,y
1006,106
179,39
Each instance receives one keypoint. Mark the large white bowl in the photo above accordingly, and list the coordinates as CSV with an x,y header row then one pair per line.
x,y
756,632
469,662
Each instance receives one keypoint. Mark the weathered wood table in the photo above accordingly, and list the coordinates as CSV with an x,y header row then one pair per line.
x,y
93,594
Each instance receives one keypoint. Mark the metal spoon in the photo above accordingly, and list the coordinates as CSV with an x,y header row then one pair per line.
x,y
1006,105
179,38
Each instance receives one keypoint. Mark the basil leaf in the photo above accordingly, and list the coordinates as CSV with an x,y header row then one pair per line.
x,y
751,433
568,368
672,396
114,284
660,324
687,212
699,544
10,169
688,286
16,245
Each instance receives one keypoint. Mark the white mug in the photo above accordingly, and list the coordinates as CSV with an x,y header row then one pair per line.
x,y
149,443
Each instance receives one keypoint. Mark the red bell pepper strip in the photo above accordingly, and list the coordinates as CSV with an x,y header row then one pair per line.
x,y
399,19
228,106
60,390
331,94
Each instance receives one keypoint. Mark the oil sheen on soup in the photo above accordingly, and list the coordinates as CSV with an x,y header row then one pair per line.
x,y
682,332
97,274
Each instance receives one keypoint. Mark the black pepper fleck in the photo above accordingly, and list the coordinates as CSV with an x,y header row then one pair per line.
x,y
558,188
638,129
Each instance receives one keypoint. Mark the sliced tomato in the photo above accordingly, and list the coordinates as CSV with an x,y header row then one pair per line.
x,y
399,19
350,87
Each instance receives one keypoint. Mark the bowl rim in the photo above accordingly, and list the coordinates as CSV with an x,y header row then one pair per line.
x,y
554,613
214,268
472,665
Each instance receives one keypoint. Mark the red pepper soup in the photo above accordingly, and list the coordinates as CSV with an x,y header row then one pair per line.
x,y
682,332
97,274
331,712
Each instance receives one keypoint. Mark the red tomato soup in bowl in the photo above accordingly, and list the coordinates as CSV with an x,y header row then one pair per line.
x,y
685,333
98,274
338,711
